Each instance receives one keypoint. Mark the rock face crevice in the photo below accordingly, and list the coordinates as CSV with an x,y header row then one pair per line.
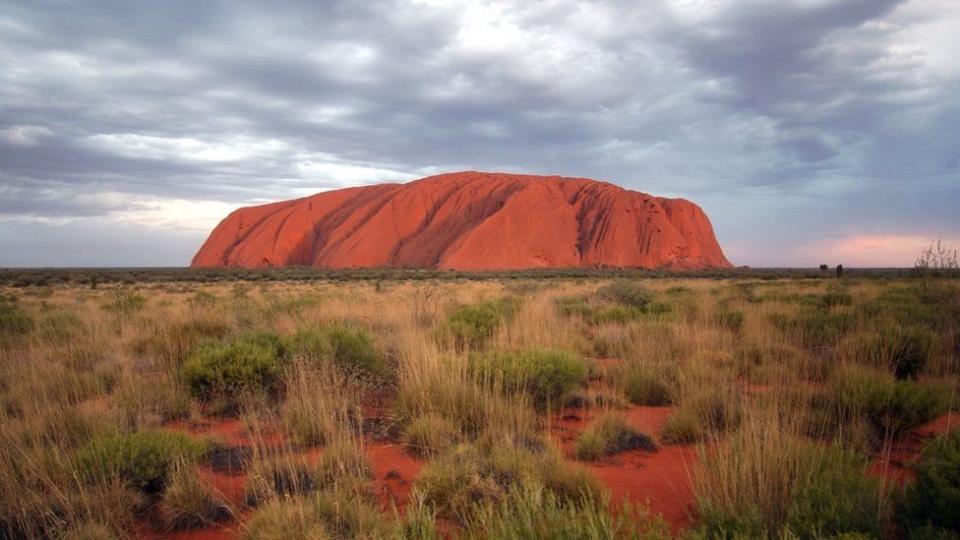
x,y
469,221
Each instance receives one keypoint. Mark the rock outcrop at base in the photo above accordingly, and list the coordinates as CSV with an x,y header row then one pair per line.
x,y
469,221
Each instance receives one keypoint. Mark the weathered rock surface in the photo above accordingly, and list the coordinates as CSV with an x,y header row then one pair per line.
x,y
469,221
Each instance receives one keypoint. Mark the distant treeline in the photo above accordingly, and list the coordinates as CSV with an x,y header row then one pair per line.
x,y
26,277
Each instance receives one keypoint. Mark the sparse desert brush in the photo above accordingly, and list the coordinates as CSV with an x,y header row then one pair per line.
x,y
429,435
647,384
544,375
626,293
729,319
815,328
610,434
124,303
467,476
171,343
470,326
930,507
766,481
320,515
59,327
278,473
318,404
904,351
344,463
532,512
149,400
706,411
250,363
189,503
890,406
351,350
15,323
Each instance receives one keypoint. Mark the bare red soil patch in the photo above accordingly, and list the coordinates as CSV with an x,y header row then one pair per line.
x,y
394,472
662,481
895,461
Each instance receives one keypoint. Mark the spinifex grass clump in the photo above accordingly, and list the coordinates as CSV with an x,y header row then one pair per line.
x,y
890,406
144,460
903,350
351,350
250,363
470,326
610,434
547,376
626,293
459,482
709,410
15,324
766,482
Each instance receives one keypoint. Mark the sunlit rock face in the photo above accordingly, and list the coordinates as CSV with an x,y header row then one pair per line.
x,y
469,221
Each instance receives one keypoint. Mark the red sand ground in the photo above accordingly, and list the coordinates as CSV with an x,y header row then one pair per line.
x,y
895,462
661,480
469,221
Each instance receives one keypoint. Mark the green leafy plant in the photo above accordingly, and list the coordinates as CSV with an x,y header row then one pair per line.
x,y
143,459
252,362
545,375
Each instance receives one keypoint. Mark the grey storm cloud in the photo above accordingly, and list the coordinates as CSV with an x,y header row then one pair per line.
x,y
791,122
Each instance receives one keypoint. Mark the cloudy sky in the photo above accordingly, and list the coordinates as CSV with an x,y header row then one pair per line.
x,y
809,130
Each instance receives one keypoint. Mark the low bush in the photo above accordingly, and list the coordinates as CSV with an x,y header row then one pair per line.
x,y
545,375
459,482
171,342
626,293
682,427
60,327
144,460
615,315
470,326
574,305
930,506
610,434
343,462
253,362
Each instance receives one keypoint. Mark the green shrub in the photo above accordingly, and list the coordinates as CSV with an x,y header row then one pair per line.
x,y
626,293
837,498
610,434
459,482
545,375
171,342
249,363
930,506
470,326
143,459
318,516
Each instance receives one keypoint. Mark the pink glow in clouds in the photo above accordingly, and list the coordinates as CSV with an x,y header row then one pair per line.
x,y
868,250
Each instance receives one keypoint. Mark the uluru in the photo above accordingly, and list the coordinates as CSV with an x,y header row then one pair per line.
x,y
469,221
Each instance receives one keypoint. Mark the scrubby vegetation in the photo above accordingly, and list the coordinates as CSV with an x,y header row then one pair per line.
x,y
410,404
